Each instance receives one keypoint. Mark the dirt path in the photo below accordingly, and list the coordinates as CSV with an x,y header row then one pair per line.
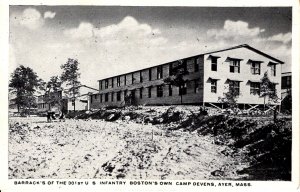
x,y
110,150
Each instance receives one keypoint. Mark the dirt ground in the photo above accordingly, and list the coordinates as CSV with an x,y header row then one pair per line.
x,y
86,149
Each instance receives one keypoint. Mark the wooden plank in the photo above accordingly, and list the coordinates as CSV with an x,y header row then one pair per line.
x,y
215,106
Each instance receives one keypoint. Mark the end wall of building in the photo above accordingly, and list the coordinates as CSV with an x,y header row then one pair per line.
x,y
245,76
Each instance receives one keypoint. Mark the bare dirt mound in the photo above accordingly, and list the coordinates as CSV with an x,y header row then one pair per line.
x,y
265,145
151,143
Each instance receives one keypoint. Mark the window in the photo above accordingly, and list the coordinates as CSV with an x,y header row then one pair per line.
x,y
119,96
190,63
185,66
255,88
100,98
101,85
196,65
286,82
132,78
182,67
213,86
159,91
182,89
170,90
132,93
196,86
149,92
159,72
141,77
255,68
125,80
106,83
106,97
234,66
141,93
214,62
273,70
112,96
170,69
235,85
150,74
112,82
118,82
198,60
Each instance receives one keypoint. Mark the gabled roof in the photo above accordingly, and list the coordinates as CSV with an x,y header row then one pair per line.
x,y
250,48
62,89
87,93
86,87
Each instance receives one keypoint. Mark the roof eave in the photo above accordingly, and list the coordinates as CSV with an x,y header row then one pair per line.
x,y
250,48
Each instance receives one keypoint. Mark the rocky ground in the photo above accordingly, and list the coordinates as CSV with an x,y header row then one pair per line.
x,y
150,143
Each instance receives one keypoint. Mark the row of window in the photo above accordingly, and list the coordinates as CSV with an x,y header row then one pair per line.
x,y
173,68
235,85
159,92
42,105
234,66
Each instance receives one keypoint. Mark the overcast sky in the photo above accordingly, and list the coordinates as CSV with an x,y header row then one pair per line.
x,y
109,40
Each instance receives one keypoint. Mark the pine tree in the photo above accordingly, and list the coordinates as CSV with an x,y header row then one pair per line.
x,y
230,98
52,91
267,90
70,76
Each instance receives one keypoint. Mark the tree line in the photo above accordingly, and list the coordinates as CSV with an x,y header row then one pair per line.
x,y
24,84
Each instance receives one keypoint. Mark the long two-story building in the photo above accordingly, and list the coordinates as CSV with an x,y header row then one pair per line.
x,y
208,76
